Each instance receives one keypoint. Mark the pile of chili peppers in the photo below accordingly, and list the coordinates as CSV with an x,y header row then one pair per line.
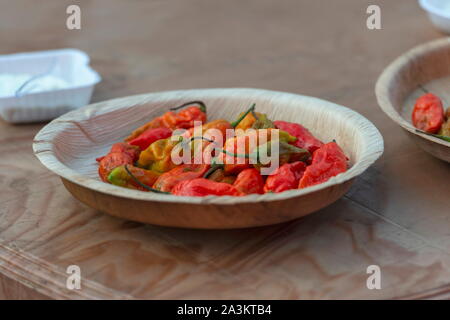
x,y
429,117
144,160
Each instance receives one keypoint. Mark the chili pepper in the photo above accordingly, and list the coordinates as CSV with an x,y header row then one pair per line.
x,y
184,119
239,121
254,120
249,181
232,164
327,161
132,177
149,136
157,156
201,187
235,164
428,113
263,122
248,120
121,153
123,147
111,161
221,124
445,129
218,175
168,180
285,177
208,135
304,140
286,151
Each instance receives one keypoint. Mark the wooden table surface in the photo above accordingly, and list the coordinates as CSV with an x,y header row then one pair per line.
x,y
395,216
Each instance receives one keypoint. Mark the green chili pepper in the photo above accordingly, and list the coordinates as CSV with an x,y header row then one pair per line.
x,y
262,122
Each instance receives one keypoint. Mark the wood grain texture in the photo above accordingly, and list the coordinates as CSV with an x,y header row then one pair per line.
x,y
395,215
70,144
426,67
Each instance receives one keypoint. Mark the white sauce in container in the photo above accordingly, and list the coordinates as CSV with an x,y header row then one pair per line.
x,y
11,82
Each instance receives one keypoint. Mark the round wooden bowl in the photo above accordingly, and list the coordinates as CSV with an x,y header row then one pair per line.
x,y
69,145
424,68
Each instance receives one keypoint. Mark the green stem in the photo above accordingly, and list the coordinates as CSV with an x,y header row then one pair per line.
x,y
197,138
236,123
141,184
421,87
201,138
214,167
445,138
201,104
255,115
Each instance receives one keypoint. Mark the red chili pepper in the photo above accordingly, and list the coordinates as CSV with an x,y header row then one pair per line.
x,y
305,139
169,179
249,181
120,154
327,162
285,177
149,136
203,187
184,119
123,147
112,161
428,113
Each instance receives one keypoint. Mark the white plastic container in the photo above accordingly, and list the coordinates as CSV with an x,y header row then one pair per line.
x,y
438,12
71,65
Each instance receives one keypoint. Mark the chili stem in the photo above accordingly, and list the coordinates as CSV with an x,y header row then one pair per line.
x,y
201,104
141,184
211,170
236,123
255,115
421,87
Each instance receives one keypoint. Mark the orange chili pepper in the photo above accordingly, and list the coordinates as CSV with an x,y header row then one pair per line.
x,y
235,165
184,119
249,181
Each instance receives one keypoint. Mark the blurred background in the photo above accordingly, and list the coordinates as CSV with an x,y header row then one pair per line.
x,y
321,48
